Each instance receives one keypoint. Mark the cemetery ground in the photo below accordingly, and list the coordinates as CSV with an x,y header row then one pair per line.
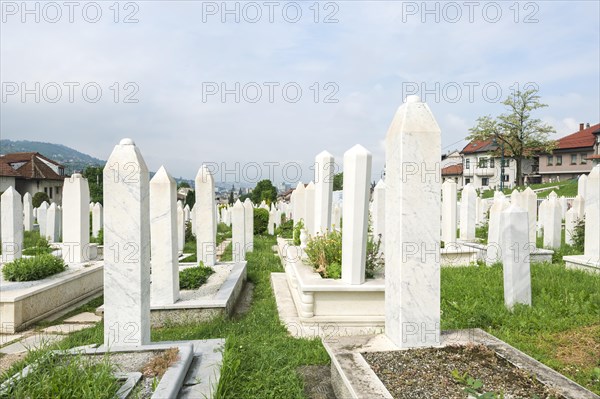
x,y
567,188
261,360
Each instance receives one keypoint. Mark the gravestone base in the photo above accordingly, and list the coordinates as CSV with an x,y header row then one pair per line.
x,y
191,308
352,377
455,254
539,255
312,306
25,303
196,374
582,262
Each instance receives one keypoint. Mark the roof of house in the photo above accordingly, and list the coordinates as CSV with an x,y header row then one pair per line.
x,y
580,139
479,146
452,170
6,170
28,165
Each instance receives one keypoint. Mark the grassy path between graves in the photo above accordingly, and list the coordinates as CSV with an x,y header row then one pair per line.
x,y
561,329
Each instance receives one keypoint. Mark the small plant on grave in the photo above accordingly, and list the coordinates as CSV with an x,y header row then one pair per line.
x,y
36,251
579,235
325,254
99,239
374,259
297,230
189,234
193,278
481,232
33,239
31,269
473,386
285,229
158,365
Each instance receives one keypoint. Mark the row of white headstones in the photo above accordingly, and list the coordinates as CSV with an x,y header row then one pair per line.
x,y
548,218
135,209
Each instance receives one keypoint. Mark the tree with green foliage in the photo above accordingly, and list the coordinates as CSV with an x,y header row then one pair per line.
x,y
338,181
190,199
264,191
94,174
521,135
231,198
183,184
38,198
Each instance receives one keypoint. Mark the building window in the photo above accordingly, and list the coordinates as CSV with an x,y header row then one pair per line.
x,y
483,162
467,181
559,160
61,171
583,160
506,178
485,181
49,192
506,163
573,159
467,164
57,190
492,163
550,159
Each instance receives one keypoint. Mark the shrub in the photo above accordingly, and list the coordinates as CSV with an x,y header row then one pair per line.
x,y
325,254
189,234
32,239
579,235
261,220
30,269
193,277
38,198
481,232
374,261
35,251
297,230
285,229
99,239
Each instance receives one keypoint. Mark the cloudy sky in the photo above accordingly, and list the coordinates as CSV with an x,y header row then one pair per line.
x,y
241,84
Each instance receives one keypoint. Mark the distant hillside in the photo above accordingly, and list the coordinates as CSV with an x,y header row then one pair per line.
x,y
70,158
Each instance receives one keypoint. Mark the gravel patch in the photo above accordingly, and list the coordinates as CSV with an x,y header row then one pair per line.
x,y
427,373
212,286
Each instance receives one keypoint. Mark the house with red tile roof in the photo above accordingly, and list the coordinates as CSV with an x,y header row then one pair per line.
x,y
32,172
484,169
573,156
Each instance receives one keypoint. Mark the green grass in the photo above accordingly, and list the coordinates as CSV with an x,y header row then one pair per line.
x,y
56,376
193,278
261,359
562,301
568,188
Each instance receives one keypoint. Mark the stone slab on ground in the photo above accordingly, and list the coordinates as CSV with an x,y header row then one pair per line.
x,y
352,377
297,328
35,341
84,318
66,328
8,338
196,378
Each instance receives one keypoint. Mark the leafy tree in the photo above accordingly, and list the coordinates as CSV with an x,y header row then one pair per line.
x,y
190,199
94,176
38,198
264,191
338,181
231,199
183,184
521,134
